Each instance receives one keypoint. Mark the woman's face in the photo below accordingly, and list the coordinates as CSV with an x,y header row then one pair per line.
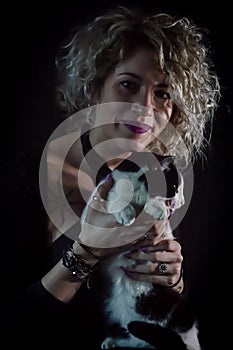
x,y
134,101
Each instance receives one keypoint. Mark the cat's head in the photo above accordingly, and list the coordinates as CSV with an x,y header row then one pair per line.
x,y
159,173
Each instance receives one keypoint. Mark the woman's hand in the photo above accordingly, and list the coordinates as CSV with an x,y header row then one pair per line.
x,y
156,262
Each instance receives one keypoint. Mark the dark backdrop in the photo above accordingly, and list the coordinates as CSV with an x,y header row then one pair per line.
x,y
30,39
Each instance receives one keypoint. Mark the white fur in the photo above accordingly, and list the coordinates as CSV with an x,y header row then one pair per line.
x,y
120,306
126,192
190,338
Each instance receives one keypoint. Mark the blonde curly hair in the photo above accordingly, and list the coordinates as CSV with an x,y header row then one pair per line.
x,y
179,48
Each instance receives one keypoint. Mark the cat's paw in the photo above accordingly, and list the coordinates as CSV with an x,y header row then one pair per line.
x,y
108,343
157,208
140,195
126,216
128,342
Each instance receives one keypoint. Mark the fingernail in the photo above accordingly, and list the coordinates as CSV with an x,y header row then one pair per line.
x,y
128,273
172,203
144,249
107,177
124,268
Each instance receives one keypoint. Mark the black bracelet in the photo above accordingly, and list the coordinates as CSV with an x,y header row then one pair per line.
x,y
178,281
97,257
78,268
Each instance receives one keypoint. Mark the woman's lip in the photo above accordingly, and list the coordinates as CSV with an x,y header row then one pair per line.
x,y
136,127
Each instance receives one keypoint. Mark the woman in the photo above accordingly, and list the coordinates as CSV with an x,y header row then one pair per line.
x,y
138,83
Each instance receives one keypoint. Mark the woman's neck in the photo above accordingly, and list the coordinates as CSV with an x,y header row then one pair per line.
x,y
109,151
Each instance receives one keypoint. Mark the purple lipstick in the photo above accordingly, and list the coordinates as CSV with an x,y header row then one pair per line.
x,y
136,127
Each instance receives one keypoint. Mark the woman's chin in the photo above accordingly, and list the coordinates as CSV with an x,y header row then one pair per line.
x,y
136,146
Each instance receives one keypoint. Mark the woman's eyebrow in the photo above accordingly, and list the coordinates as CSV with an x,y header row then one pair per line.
x,y
131,74
134,75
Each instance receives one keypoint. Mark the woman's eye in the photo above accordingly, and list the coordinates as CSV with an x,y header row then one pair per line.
x,y
162,94
130,85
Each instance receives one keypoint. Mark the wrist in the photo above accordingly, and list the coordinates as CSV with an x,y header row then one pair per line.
x,y
90,255
81,262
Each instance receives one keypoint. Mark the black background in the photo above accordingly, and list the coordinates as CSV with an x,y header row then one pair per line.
x,y
30,38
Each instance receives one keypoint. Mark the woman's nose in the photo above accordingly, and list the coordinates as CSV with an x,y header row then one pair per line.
x,y
146,100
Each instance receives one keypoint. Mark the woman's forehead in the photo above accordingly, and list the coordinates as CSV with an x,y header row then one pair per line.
x,y
141,62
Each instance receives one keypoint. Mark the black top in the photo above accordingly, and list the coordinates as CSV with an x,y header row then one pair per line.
x,y
28,313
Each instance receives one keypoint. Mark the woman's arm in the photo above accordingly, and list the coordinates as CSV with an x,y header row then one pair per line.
x,y
25,305
59,281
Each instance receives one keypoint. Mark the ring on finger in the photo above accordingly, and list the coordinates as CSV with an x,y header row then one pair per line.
x,y
162,268
98,199
98,203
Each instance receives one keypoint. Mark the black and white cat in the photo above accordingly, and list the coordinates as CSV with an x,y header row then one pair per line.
x,y
152,183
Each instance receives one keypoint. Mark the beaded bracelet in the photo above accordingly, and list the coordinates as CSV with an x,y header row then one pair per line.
x,y
78,268
93,255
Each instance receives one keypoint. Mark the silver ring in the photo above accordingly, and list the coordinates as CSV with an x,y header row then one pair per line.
x,y
162,268
98,199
